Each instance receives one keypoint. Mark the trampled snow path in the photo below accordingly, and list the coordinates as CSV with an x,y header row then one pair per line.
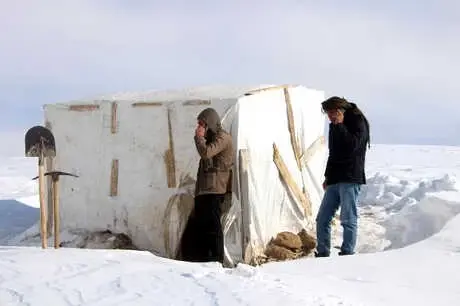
x,y
422,274
93,277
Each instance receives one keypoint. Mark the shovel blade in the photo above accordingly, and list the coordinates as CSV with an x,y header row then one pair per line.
x,y
39,142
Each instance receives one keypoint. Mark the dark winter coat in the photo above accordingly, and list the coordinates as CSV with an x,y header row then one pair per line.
x,y
217,157
347,149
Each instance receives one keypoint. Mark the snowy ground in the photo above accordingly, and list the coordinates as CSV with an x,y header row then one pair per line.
x,y
409,208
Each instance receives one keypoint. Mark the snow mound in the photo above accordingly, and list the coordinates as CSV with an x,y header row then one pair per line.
x,y
427,217
407,211
394,194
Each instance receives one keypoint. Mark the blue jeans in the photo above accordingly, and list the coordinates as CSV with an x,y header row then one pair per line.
x,y
345,196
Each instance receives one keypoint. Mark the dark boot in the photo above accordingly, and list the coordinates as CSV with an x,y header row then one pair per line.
x,y
321,254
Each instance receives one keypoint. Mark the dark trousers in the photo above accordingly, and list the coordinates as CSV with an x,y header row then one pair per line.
x,y
203,238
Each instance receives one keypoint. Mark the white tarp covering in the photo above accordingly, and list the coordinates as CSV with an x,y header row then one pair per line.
x,y
144,207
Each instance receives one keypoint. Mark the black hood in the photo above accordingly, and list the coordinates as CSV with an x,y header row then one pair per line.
x,y
211,118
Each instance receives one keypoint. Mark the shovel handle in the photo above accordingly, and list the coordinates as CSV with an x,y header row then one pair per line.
x,y
56,212
41,187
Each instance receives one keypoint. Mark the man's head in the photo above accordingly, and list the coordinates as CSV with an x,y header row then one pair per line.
x,y
335,107
210,120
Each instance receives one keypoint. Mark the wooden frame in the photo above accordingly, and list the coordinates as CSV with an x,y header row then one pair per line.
x,y
114,178
83,107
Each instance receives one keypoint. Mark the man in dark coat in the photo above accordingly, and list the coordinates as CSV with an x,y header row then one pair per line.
x,y
215,147
344,175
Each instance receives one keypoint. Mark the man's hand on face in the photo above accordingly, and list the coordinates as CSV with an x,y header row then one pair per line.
x,y
200,131
339,117
335,116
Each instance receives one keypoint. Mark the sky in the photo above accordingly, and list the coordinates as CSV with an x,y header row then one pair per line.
x,y
398,60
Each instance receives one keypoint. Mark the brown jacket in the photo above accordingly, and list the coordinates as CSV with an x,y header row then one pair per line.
x,y
217,157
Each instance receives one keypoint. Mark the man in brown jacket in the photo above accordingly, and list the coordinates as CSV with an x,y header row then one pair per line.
x,y
215,147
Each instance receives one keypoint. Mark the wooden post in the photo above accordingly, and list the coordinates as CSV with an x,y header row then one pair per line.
x,y
245,205
56,211
41,187
169,157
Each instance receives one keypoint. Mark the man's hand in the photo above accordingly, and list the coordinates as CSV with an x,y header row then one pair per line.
x,y
338,118
200,131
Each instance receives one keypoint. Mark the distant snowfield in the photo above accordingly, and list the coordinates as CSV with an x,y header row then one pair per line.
x,y
410,206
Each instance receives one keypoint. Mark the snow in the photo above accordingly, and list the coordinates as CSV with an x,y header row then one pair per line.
x,y
411,193
409,250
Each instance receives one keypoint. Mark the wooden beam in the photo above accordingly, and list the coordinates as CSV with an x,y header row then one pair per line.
x,y
291,126
114,178
196,102
267,89
312,149
245,205
144,104
169,157
114,118
290,182
83,107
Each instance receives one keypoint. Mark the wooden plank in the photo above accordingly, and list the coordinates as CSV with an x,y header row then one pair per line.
x,y
144,104
196,102
114,178
114,118
83,107
267,89
290,182
312,149
169,157
245,205
291,126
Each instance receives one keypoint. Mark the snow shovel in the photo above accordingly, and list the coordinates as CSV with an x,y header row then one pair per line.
x,y
55,187
39,142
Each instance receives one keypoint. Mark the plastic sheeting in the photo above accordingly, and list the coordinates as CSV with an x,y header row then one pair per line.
x,y
258,122
153,214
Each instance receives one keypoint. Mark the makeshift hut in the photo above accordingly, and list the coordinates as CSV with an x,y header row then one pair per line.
x,y
136,161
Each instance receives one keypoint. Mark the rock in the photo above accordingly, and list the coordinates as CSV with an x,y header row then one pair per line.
x,y
308,241
279,253
288,240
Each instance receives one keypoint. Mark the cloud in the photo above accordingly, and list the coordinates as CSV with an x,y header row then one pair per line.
x,y
398,61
